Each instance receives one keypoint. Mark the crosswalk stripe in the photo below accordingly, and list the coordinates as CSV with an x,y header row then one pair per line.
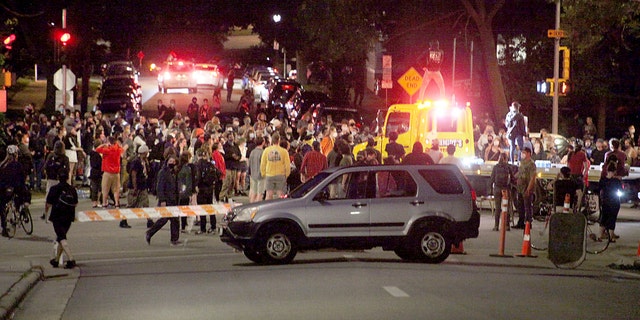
x,y
396,292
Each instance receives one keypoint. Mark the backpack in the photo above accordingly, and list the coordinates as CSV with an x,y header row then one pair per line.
x,y
53,166
209,175
503,176
68,198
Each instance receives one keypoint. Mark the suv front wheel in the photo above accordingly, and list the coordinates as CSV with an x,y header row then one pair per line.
x,y
429,244
276,244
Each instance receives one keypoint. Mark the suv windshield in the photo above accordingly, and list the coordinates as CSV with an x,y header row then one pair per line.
x,y
304,188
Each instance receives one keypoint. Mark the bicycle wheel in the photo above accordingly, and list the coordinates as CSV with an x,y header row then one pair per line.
x,y
26,221
12,220
540,235
595,244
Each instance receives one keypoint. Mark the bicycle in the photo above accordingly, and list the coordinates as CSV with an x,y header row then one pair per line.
x,y
17,216
593,243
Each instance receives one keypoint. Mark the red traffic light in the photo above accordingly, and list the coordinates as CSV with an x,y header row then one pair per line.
x,y
64,38
9,40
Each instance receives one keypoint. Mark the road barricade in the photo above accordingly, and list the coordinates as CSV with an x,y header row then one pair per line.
x,y
152,213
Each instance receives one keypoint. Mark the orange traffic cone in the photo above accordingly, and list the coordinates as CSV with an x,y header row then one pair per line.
x,y
526,242
458,249
567,204
638,254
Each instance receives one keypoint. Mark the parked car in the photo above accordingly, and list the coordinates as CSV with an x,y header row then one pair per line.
x,y
177,75
208,75
416,211
114,101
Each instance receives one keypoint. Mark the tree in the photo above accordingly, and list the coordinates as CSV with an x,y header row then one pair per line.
x,y
483,19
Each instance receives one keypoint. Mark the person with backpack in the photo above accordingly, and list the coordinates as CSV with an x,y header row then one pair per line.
x,y
63,199
12,177
205,184
56,160
139,171
501,176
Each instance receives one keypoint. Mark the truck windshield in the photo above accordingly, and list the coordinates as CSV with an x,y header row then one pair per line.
x,y
398,122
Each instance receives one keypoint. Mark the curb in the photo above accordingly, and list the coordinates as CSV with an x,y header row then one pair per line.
x,y
12,298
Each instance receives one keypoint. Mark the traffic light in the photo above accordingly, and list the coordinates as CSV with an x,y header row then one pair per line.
x,y
566,61
8,41
64,38
563,87
543,87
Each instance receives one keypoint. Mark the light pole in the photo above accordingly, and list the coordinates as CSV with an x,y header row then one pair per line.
x,y
277,18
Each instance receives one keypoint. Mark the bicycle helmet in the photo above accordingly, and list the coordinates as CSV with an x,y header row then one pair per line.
x,y
12,149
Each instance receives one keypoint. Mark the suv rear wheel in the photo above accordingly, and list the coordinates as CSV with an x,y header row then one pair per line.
x,y
429,244
276,244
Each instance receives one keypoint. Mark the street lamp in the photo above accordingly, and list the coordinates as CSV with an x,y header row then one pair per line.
x,y
277,18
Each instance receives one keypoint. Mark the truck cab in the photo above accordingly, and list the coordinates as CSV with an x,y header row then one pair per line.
x,y
426,121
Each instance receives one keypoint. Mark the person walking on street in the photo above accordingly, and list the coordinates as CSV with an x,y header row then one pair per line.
x,y
230,79
232,162
500,181
63,199
140,170
192,113
516,130
167,193
609,187
525,185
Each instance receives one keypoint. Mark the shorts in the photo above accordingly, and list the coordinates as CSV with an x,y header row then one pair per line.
x,y
61,228
256,186
110,181
275,183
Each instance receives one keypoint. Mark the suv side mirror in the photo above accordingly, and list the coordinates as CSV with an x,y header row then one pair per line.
x,y
322,196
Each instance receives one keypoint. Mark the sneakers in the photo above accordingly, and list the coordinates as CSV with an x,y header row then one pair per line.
x,y
70,264
54,263
495,229
124,224
211,230
199,232
176,243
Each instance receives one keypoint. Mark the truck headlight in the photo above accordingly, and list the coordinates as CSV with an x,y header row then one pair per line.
x,y
245,214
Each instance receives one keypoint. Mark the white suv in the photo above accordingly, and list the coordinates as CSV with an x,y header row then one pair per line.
x,y
416,211
177,75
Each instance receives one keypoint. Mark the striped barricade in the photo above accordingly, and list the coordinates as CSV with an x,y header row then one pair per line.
x,y
153,213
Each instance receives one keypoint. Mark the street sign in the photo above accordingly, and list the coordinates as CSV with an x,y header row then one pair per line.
x,y
552,33
58,80
410,81
387,82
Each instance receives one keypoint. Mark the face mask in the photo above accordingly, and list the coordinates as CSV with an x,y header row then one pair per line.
x,y
252,135
496,143
334,135
171,165
157,130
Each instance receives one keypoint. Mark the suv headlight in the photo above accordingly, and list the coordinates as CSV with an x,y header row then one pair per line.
x,y
245,214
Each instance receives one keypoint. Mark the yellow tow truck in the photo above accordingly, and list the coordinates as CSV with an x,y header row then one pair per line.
x,y
426,121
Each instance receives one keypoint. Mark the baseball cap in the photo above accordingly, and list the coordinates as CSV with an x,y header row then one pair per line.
x,y
143,149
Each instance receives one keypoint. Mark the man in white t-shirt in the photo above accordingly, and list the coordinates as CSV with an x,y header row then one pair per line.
x,y
450,159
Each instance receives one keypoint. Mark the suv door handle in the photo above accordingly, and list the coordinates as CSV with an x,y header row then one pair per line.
x,y
417,202
359,205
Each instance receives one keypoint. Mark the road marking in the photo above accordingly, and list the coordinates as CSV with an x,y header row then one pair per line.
x,y
396,292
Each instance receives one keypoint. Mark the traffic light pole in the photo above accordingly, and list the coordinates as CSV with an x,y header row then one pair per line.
x,y
556,73
64,66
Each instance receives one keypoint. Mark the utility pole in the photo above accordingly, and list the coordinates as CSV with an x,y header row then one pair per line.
x,y
556,73
64,66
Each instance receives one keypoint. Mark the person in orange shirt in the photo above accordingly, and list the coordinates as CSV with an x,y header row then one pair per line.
x,y
326,145
111,153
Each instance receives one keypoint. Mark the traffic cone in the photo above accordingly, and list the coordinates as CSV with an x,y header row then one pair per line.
x,y
526,242
459,249
638,254
503,225
567,204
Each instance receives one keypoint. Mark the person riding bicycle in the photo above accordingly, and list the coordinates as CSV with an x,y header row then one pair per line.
x,y
12,180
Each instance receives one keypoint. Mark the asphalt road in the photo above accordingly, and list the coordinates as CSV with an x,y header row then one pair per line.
x,y
121,277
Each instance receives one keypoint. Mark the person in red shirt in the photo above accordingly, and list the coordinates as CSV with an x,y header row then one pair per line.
x,y
313,162
218,161
579,165
111,153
